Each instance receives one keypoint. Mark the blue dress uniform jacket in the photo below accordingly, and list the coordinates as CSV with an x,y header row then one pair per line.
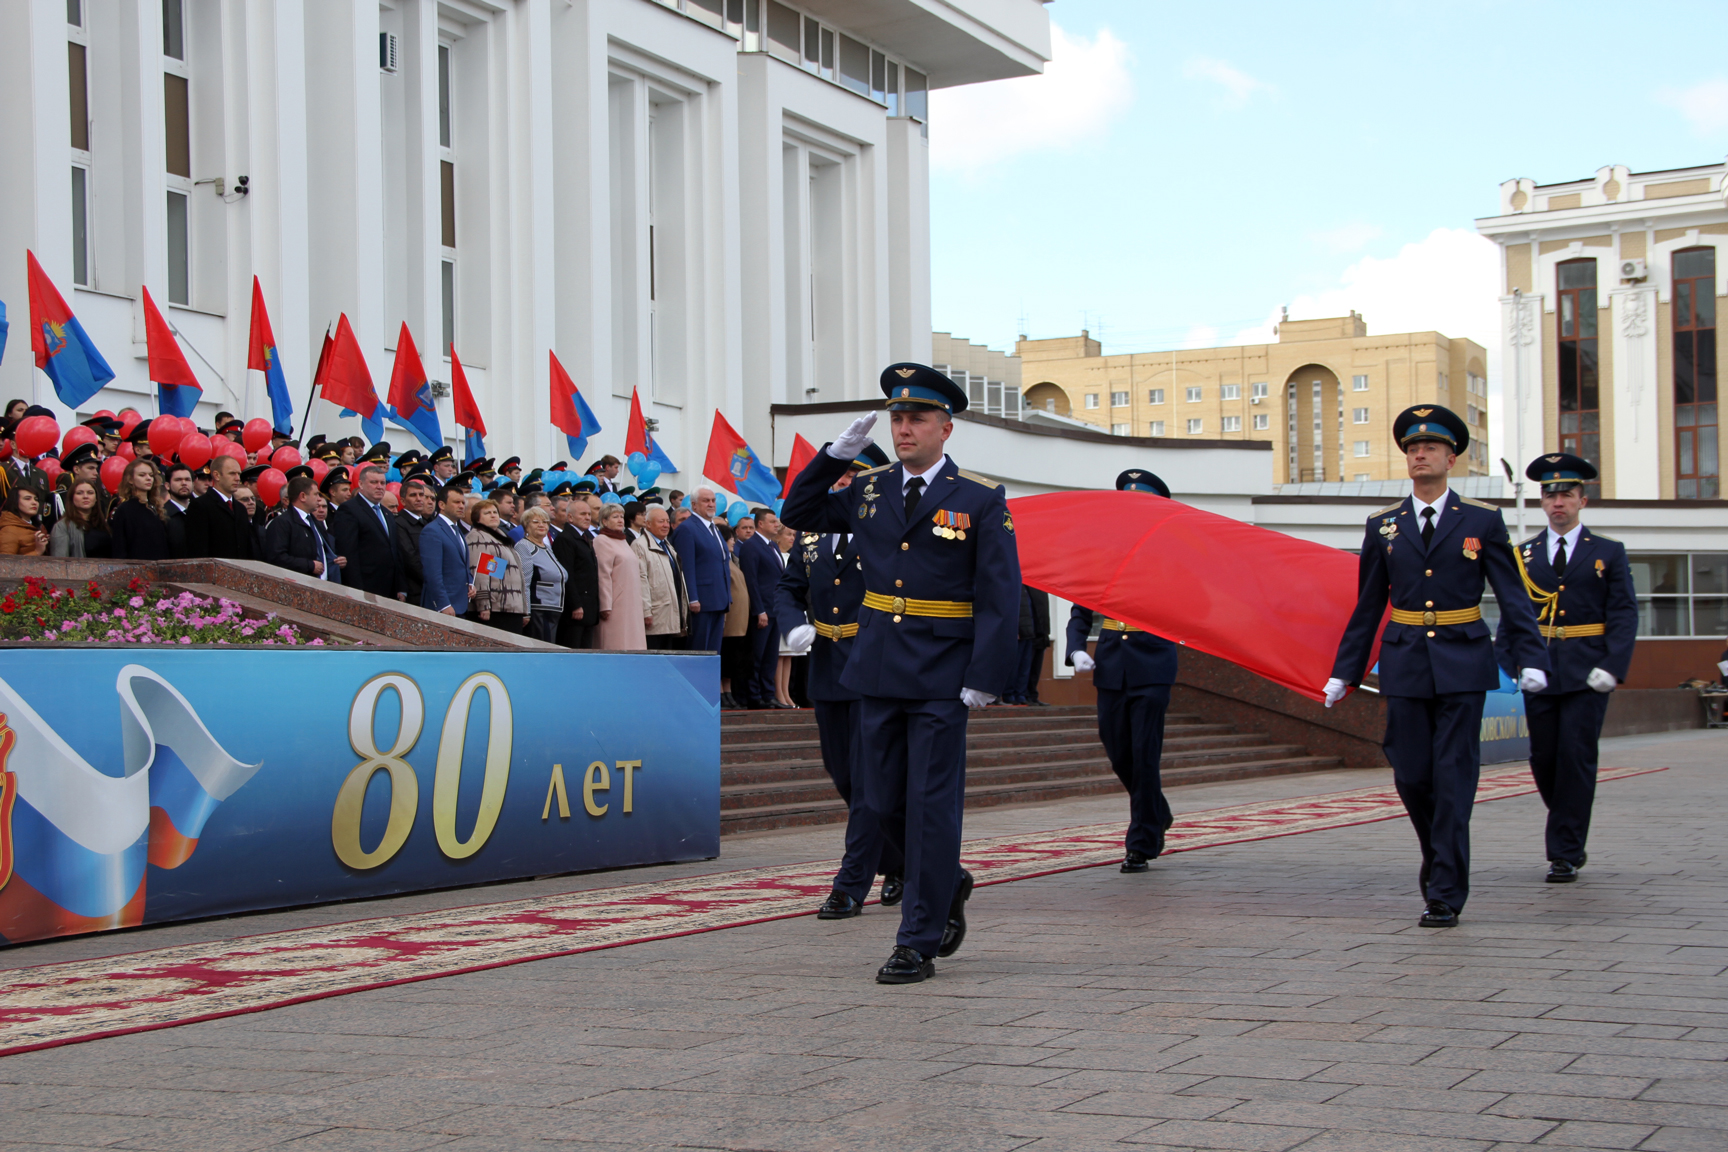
x,y
1124,660
1595,589
1421,661
921,657
829,586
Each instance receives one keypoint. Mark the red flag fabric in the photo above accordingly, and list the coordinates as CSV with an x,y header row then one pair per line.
x,y
323,370
407,375
723,444
262,337
802,453
1271,603
347,380
167,363
46,307
564,416
636,435
467,412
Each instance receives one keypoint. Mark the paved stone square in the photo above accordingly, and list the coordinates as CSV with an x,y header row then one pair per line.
x,y
1256,997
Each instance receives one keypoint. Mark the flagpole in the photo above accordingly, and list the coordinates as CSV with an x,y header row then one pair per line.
x,y
311,394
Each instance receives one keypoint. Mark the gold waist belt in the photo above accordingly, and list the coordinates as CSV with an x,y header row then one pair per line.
x,y
900,606
1565,631
1117,626
837,631
1429,618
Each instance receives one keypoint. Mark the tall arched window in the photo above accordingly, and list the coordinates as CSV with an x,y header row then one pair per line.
x,y
1697,475
1580,403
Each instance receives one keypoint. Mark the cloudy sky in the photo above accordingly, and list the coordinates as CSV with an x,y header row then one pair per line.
x,y
1183,170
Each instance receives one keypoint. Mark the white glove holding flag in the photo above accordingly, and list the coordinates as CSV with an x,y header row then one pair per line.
x,y
976,699
800,639
1601,681
1335,690
1082,661
854,440
1532,679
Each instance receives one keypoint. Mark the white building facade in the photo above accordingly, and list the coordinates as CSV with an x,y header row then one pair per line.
x,y
720,204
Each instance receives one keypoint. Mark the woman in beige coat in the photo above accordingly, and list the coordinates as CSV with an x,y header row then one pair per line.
x,y
667,608
623,619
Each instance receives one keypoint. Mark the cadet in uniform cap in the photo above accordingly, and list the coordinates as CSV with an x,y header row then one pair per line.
x,y
295,473
378,453
1429,554
1581,586
250,474
336,485
139,438
563,489
313,443
409,458
816,604
231,428
1132,672
512,468
442,461
935,639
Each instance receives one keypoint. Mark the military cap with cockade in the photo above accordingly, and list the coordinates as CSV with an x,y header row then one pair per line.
x,y
1140,480
918,387
1431,422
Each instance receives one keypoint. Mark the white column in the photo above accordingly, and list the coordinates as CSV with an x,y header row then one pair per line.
x,y
1521,355
1637,461
909,243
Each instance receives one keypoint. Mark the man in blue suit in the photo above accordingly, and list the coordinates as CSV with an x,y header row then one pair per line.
x,y
1429,554
759,556
1581,586
707,565
936,637
444,556
1132,673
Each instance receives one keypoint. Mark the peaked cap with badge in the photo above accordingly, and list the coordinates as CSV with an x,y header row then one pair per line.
x,y
1431,422
1560,471
1140,480
918,387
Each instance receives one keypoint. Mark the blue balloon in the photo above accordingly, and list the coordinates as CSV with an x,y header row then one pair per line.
x,y
719,502
635,462
611,498
779,503
648,474
739,513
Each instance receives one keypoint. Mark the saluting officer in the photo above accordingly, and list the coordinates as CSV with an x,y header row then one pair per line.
x,y
1132,672
1585,607
817,603
936,637
1429,554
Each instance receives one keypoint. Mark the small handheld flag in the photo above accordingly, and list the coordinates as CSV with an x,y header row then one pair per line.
x,y
177,389
491,565
62,348
411,394
262,355
734,465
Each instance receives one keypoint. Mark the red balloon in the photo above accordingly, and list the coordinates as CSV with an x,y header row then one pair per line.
x,y
319,469
128,422
105,413
5,449
256,434
229,448
165,435
194,451
113,469
286,457
36,435
270,484
394,487
75,436
128,452
50,469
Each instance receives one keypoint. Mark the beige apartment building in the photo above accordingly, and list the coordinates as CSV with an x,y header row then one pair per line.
x,y
1324,394
1609,324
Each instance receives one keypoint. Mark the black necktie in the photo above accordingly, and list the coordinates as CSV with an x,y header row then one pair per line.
x,y
1560,557
914,490
840,544
1427,527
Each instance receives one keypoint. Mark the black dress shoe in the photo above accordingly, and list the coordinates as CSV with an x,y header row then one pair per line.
x,y
729,702
1439,915
893,888
955,931
777,704
1561,872
839,906
1136,862
906,966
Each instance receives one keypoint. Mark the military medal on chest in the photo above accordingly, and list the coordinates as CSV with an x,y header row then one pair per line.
x,y
951,525
1389,530
1472,546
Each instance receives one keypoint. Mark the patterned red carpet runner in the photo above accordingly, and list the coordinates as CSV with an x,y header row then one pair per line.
x,y
82,1000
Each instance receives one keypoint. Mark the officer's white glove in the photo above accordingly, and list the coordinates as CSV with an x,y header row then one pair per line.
x,y
976,699
1082,661
1335,689
800,639
851,442
1601,681
1723,668
1532,679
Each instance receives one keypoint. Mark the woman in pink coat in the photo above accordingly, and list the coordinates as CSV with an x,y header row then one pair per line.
x,y
623,618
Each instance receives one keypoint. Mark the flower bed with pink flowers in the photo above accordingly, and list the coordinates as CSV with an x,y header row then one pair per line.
x,y
38,611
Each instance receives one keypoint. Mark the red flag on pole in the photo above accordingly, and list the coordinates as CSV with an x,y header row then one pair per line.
x,y
802,453
167,363
636,435
347,381
467,412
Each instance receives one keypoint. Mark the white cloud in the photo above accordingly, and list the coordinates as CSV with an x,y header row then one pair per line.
x,y
1238,86
1704,104
1086,85
1347,237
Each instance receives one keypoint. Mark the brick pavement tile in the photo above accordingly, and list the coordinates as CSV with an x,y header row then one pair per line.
x,y
1254,1067
151,1131
1591,1134
1665,1032
1240,1137
1389,1051
1712,1091
1683,1140
1249,1088
1154,1105
1383,1142
1556,1083
1506,1058
1305,1030
340,1139
1467,1126
1392,1075
1613,1111
1011,1074
1460,1100
1110,1080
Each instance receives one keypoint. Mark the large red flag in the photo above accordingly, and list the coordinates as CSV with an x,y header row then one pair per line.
x,y
1271,603
802,453
636,434
564,416
261,347
347,380
167,363
467,412
407,375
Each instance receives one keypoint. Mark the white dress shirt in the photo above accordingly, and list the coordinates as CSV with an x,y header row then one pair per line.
x,y
1439,507
306,519
1571,539
927,476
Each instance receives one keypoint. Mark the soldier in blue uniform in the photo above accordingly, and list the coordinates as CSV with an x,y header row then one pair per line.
x,y
1581,586
936,637
817,604
1132,673
1429,554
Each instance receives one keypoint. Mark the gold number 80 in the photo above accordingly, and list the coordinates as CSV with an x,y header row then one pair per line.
x,y
404,785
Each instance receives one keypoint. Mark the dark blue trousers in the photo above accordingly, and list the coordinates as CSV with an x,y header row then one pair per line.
x,y
765,646
915,780
1435,746
1023,653
867,850
1131,727
1564,728
707,629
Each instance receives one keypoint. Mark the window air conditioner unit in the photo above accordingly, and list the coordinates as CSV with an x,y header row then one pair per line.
x,y
1255,400
387,52
1633,270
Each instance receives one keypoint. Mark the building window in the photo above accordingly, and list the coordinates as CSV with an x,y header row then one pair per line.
x,y
446,205
1157,428
1361,448
1681,595
1359,415
1118,399
1230,392
1258,391
1697,473
179,258
1155,396
1091,399
1360,477
1359,383
1580,427
173,29
1262,422
1232,423
1194,394
1196,426
1121,429
80,226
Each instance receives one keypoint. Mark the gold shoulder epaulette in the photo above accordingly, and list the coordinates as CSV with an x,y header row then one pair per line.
x,y
1477,503
1598,536
1388,508
878,468
977,479
1531,543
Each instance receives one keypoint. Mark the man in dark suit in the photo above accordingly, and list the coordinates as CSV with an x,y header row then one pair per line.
x,y
418,506
366,534
444,556
293,539
216,525
705,559
174,509
760,560
574,549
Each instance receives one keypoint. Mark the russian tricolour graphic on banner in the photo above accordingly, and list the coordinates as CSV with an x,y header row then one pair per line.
x,y
393,772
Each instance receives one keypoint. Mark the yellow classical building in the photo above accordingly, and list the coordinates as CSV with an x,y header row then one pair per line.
x,y
1324,394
